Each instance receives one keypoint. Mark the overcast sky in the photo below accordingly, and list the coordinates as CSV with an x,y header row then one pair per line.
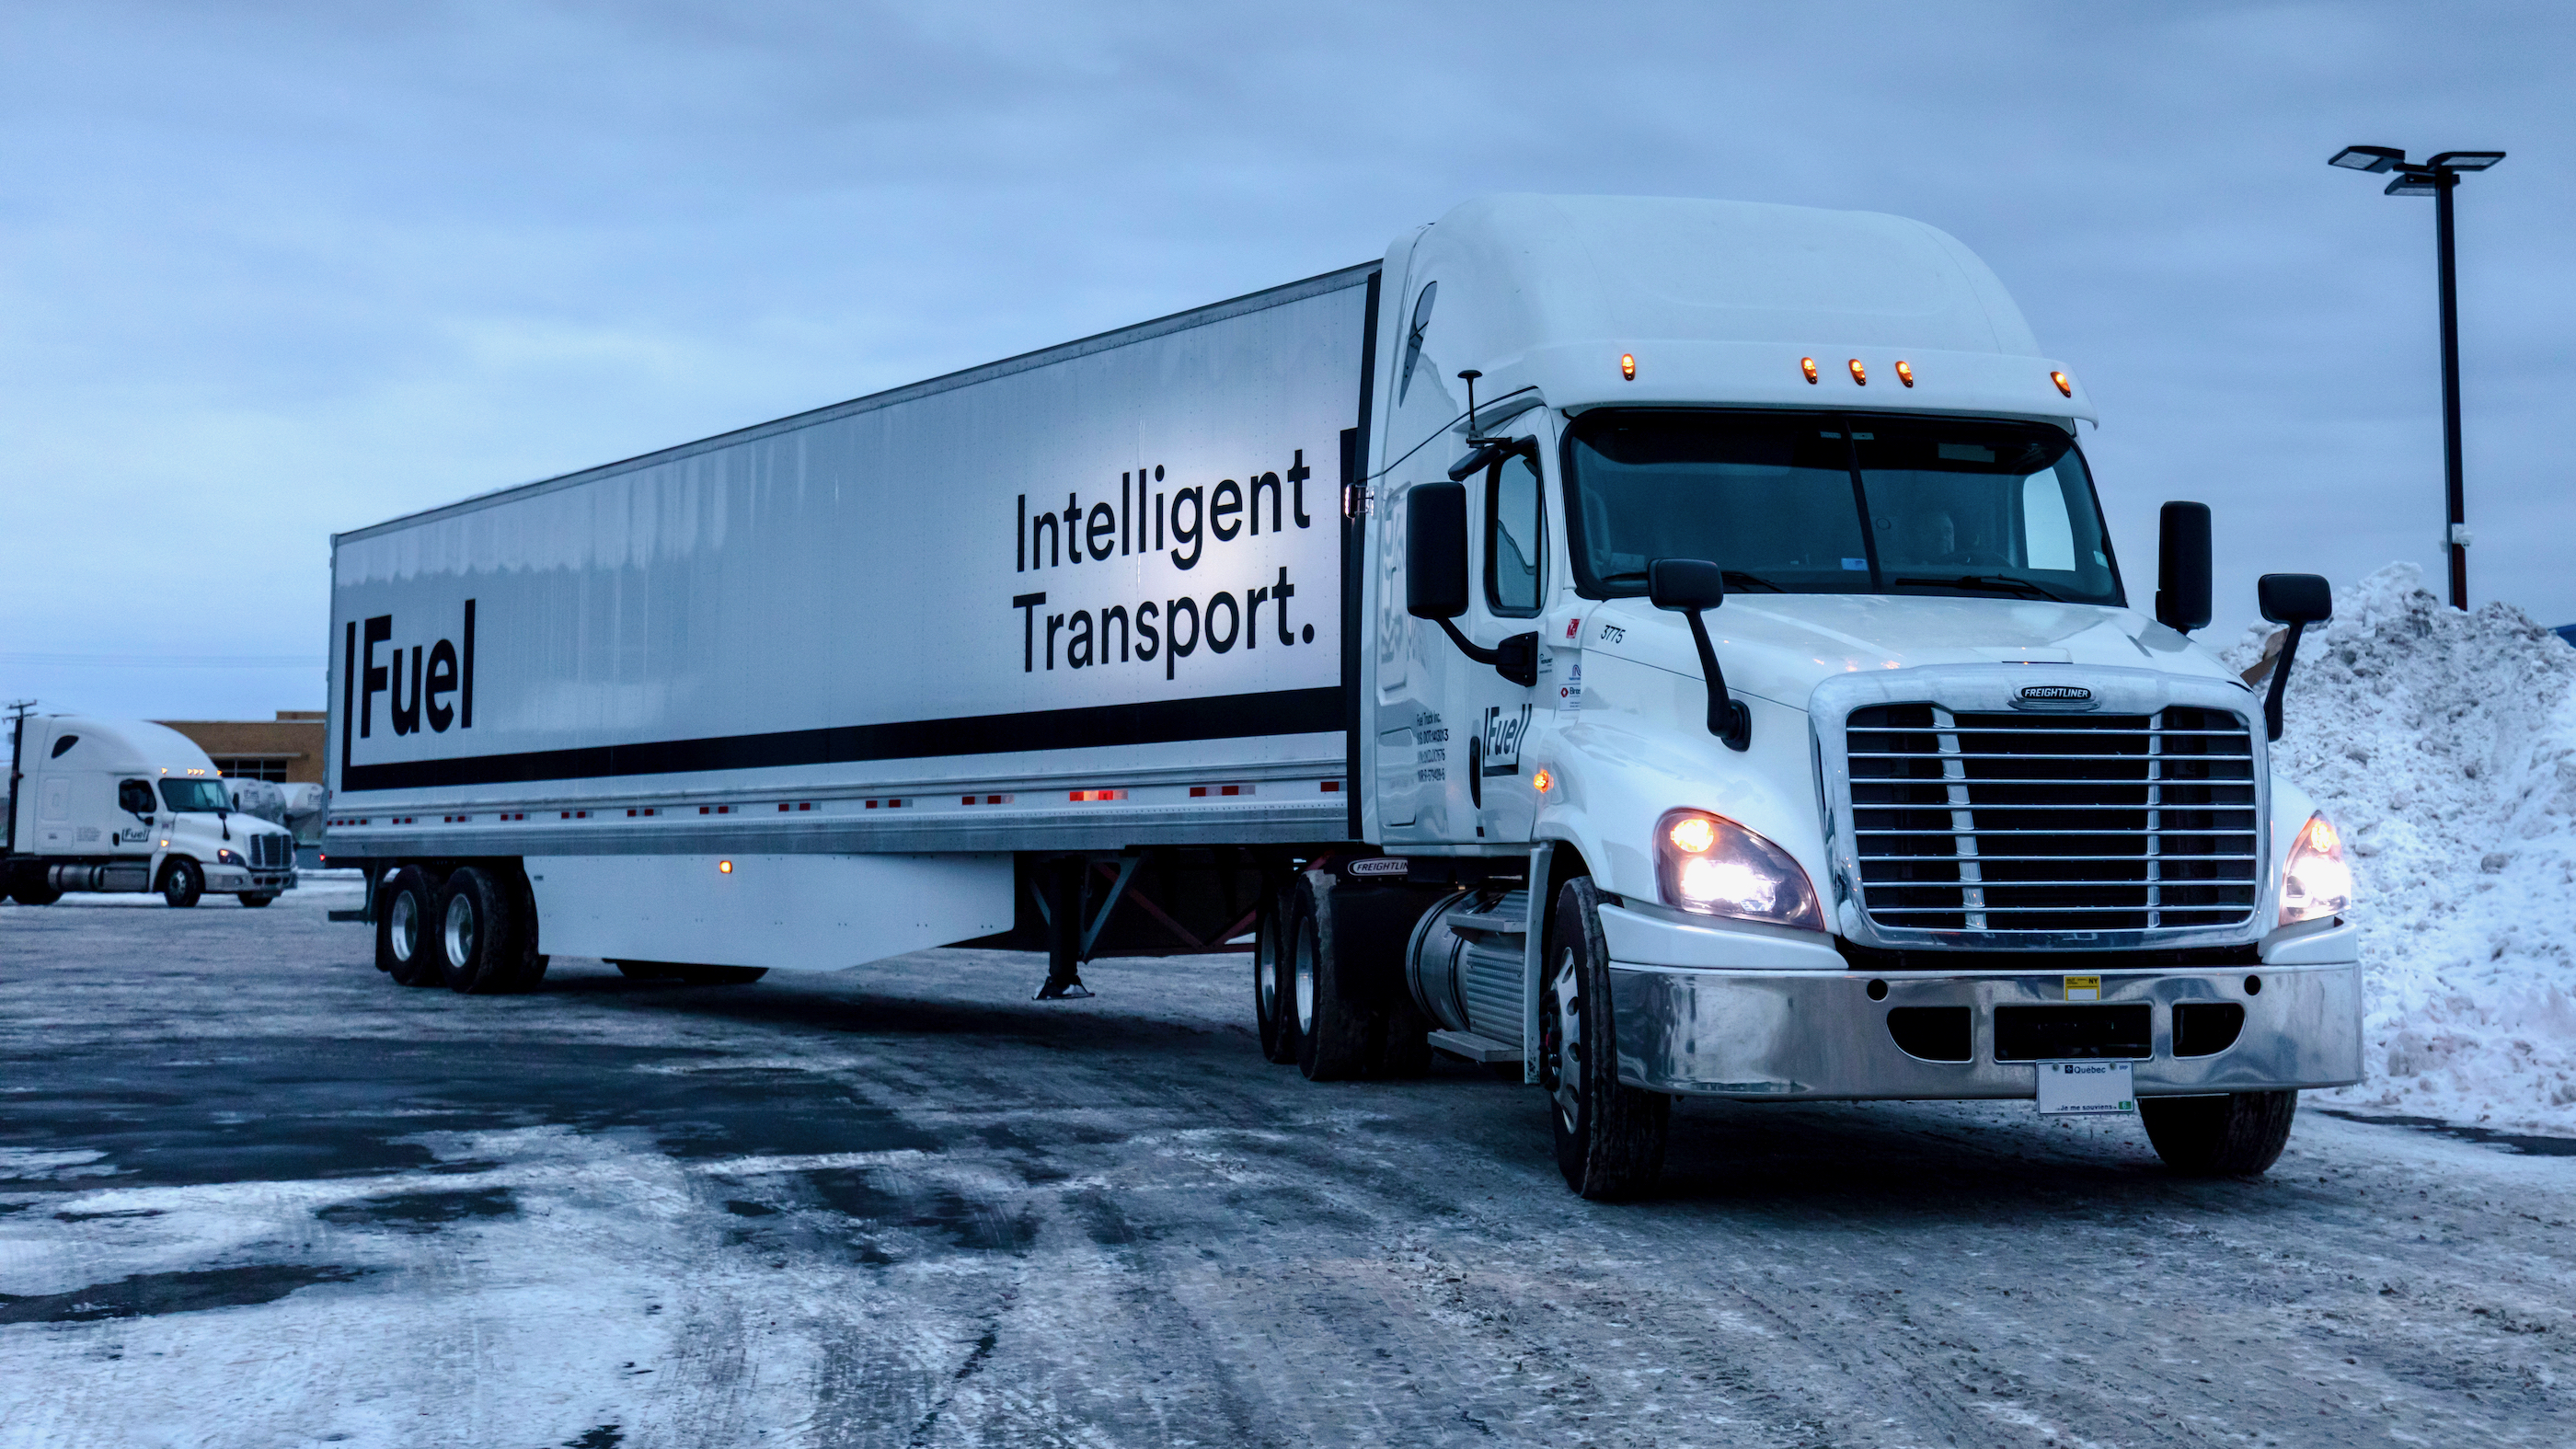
x,y
272,271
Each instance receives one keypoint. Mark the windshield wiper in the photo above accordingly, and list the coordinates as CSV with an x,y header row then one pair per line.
x,y
1735,579
2005,582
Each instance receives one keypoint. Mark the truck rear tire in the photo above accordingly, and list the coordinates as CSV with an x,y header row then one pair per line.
x,y
2238,1135
257,899
1273,1012
29,889
1329,1004
1609,1136
182,883
405,907
480,942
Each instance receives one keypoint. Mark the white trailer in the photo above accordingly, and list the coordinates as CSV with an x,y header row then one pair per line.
x,y
1378,616
128,805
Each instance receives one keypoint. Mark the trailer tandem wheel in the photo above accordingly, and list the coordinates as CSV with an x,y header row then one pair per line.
x,y
405,907
480,936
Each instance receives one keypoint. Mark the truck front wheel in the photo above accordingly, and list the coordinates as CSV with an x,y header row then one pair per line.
x,y
1609,1136
182,883
2237,1135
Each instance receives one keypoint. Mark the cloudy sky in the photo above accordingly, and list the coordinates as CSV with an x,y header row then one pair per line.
x,y
269,271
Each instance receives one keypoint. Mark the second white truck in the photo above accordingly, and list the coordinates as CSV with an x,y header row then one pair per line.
x,y
125,805
1671,646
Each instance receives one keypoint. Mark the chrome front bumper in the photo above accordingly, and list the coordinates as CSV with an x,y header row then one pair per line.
x,y
229,879
1789,1035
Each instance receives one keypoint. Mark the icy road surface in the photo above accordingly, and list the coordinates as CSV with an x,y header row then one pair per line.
x,y
251,1193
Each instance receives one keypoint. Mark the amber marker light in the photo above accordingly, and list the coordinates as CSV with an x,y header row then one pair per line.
x,y
1905,374
1693,834
1543,782
2064,388
1860,375
1628,366
724,867
1807,365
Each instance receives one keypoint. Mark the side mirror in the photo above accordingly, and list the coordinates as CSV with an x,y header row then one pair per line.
x,y
1685,583
2297,600
1435,551
1435,577
2182,567
1691,585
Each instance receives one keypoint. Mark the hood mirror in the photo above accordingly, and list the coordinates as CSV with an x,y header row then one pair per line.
x,y
1690,586
2296,600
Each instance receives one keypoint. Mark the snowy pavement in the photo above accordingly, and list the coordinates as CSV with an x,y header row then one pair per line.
x,y
251,1193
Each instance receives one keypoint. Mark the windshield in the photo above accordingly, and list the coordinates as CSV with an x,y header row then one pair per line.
x,y
195,795
1821,503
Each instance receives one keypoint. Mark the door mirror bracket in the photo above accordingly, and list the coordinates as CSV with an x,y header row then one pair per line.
x,y
1689,586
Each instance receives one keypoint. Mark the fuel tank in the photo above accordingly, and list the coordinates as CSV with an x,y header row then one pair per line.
x,y
1463,964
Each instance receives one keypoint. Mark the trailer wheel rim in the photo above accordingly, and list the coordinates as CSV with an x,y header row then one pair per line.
x,y
1561,1041
1265,971
1305,976
459,929
402,926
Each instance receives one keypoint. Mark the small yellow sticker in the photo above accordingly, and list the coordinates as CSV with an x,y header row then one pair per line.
x,y
2083,988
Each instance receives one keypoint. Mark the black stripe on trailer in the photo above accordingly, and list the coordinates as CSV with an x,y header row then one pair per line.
x,y
1221,717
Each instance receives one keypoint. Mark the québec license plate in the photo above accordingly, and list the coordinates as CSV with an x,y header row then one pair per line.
x,y
2085,1089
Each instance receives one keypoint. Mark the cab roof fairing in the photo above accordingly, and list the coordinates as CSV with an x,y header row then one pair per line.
x,y
1718,301
121,746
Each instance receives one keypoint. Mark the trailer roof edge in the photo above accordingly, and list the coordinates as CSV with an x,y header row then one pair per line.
x,y
1279,296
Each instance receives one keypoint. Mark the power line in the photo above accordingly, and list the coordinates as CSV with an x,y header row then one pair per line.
x,y
164,661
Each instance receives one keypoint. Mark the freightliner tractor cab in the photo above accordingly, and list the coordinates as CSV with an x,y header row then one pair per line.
x,y
126,805
1740,604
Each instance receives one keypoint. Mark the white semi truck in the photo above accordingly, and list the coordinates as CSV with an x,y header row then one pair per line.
x,y
127,805
1378,616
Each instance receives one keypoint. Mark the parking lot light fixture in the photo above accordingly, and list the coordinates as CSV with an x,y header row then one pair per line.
x,y
2437,177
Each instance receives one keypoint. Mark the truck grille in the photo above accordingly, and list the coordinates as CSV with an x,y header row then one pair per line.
x,y
2012,822
269,852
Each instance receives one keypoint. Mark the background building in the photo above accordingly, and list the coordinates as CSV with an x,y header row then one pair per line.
x,y
287,749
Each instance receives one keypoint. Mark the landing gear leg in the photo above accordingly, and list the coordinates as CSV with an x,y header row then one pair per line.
x,y
1065,883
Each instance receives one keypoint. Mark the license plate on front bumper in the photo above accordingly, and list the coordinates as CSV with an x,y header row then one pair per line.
x,y
2085,1089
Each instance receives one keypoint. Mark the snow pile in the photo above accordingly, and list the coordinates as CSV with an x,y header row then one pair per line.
x,y
2443,745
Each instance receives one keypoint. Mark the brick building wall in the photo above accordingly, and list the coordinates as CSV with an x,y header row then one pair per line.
x,y
287,748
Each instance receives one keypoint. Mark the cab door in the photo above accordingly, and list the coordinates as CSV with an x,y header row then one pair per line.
x,y
1455,724
1512,559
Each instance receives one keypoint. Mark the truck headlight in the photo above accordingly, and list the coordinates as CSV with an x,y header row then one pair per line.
x,y
1709,865
226,857
2316,882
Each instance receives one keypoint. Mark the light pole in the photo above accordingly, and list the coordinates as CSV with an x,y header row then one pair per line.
x,y
2437,177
